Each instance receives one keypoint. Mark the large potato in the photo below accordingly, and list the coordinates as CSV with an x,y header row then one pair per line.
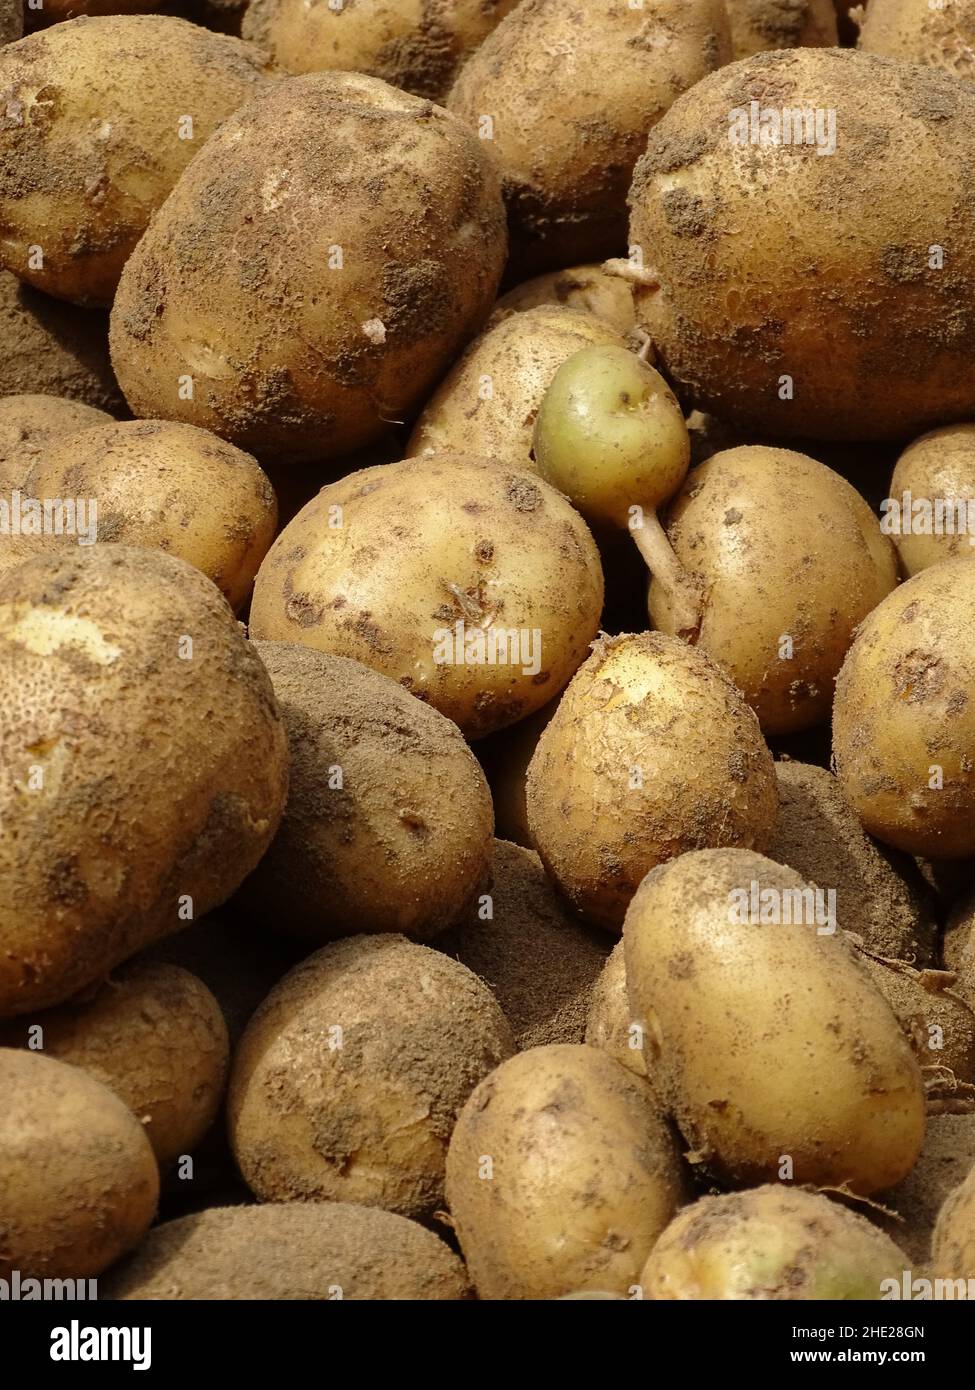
x,y
314,271
904,716
144,763
931,509
651,752
349,1078
100,118
478,588
78,1182
561,1174
768,1041
564,97
53,348
758,26
939,32
851,321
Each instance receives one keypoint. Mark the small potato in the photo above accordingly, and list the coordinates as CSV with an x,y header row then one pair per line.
x,y
609,1025
292,1250
28,424
54,348
561,1174
769,1043
758,26
936,32
154,1035
78,1180
587,288
478,588
388,823
136,97
650,753
930,514
181,489
349,1078
904,716
487,403
954,1235
772,1243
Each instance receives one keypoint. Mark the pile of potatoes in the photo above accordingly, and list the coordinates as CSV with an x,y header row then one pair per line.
x,y
487,695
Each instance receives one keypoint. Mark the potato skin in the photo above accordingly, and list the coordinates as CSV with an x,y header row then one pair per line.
x,y
938,466
417,45
307,1250
404,843
916,31
585,288
54,348
110,840
750,294
651,703
585,1175
288,352
422,546
78,1181
572,94
171,486
608,1024
905,704
82,181
367,1119
28,424
768,1040
758,26
954,1234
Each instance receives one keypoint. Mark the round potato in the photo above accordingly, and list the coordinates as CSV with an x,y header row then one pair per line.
x,y
954,1234
314,272
54,349
609,1025
758,26
349,1078
904,716
930,513
650,753
477,588
389,820
78,1181
29,423
561,1174
769,1043
145,763
80,176
292,1250
938,32
588,289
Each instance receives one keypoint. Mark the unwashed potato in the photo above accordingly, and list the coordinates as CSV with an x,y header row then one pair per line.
x,y
53,348
954,1234
168,486
938,32
931,510
561,1174
78,1180
946,1160
651,752
292,1250
145,763
413,44
771,1243
478,588
759,314
349,1078
609,1025
388,823
487,403
768,1041
792,560
29,423
564,98
153,1034
937,1022
758,26
540,963
587,288
136,98
904,716
314,271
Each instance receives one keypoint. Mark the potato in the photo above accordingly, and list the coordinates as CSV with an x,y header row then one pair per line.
x,y
154,1035
792,560
777,323
772,1243
409,43
904,716
28,424
879,894
389,821
540,963
946,1159
487,403
564,98
954,1234
609,1025
144,776
349,1078
650,753
588,289
769,1043
758,26
53,348
917,31
479,589
561,1174
78,1182
175,487
137,96
937,1023
295,1250
313,273
930,513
